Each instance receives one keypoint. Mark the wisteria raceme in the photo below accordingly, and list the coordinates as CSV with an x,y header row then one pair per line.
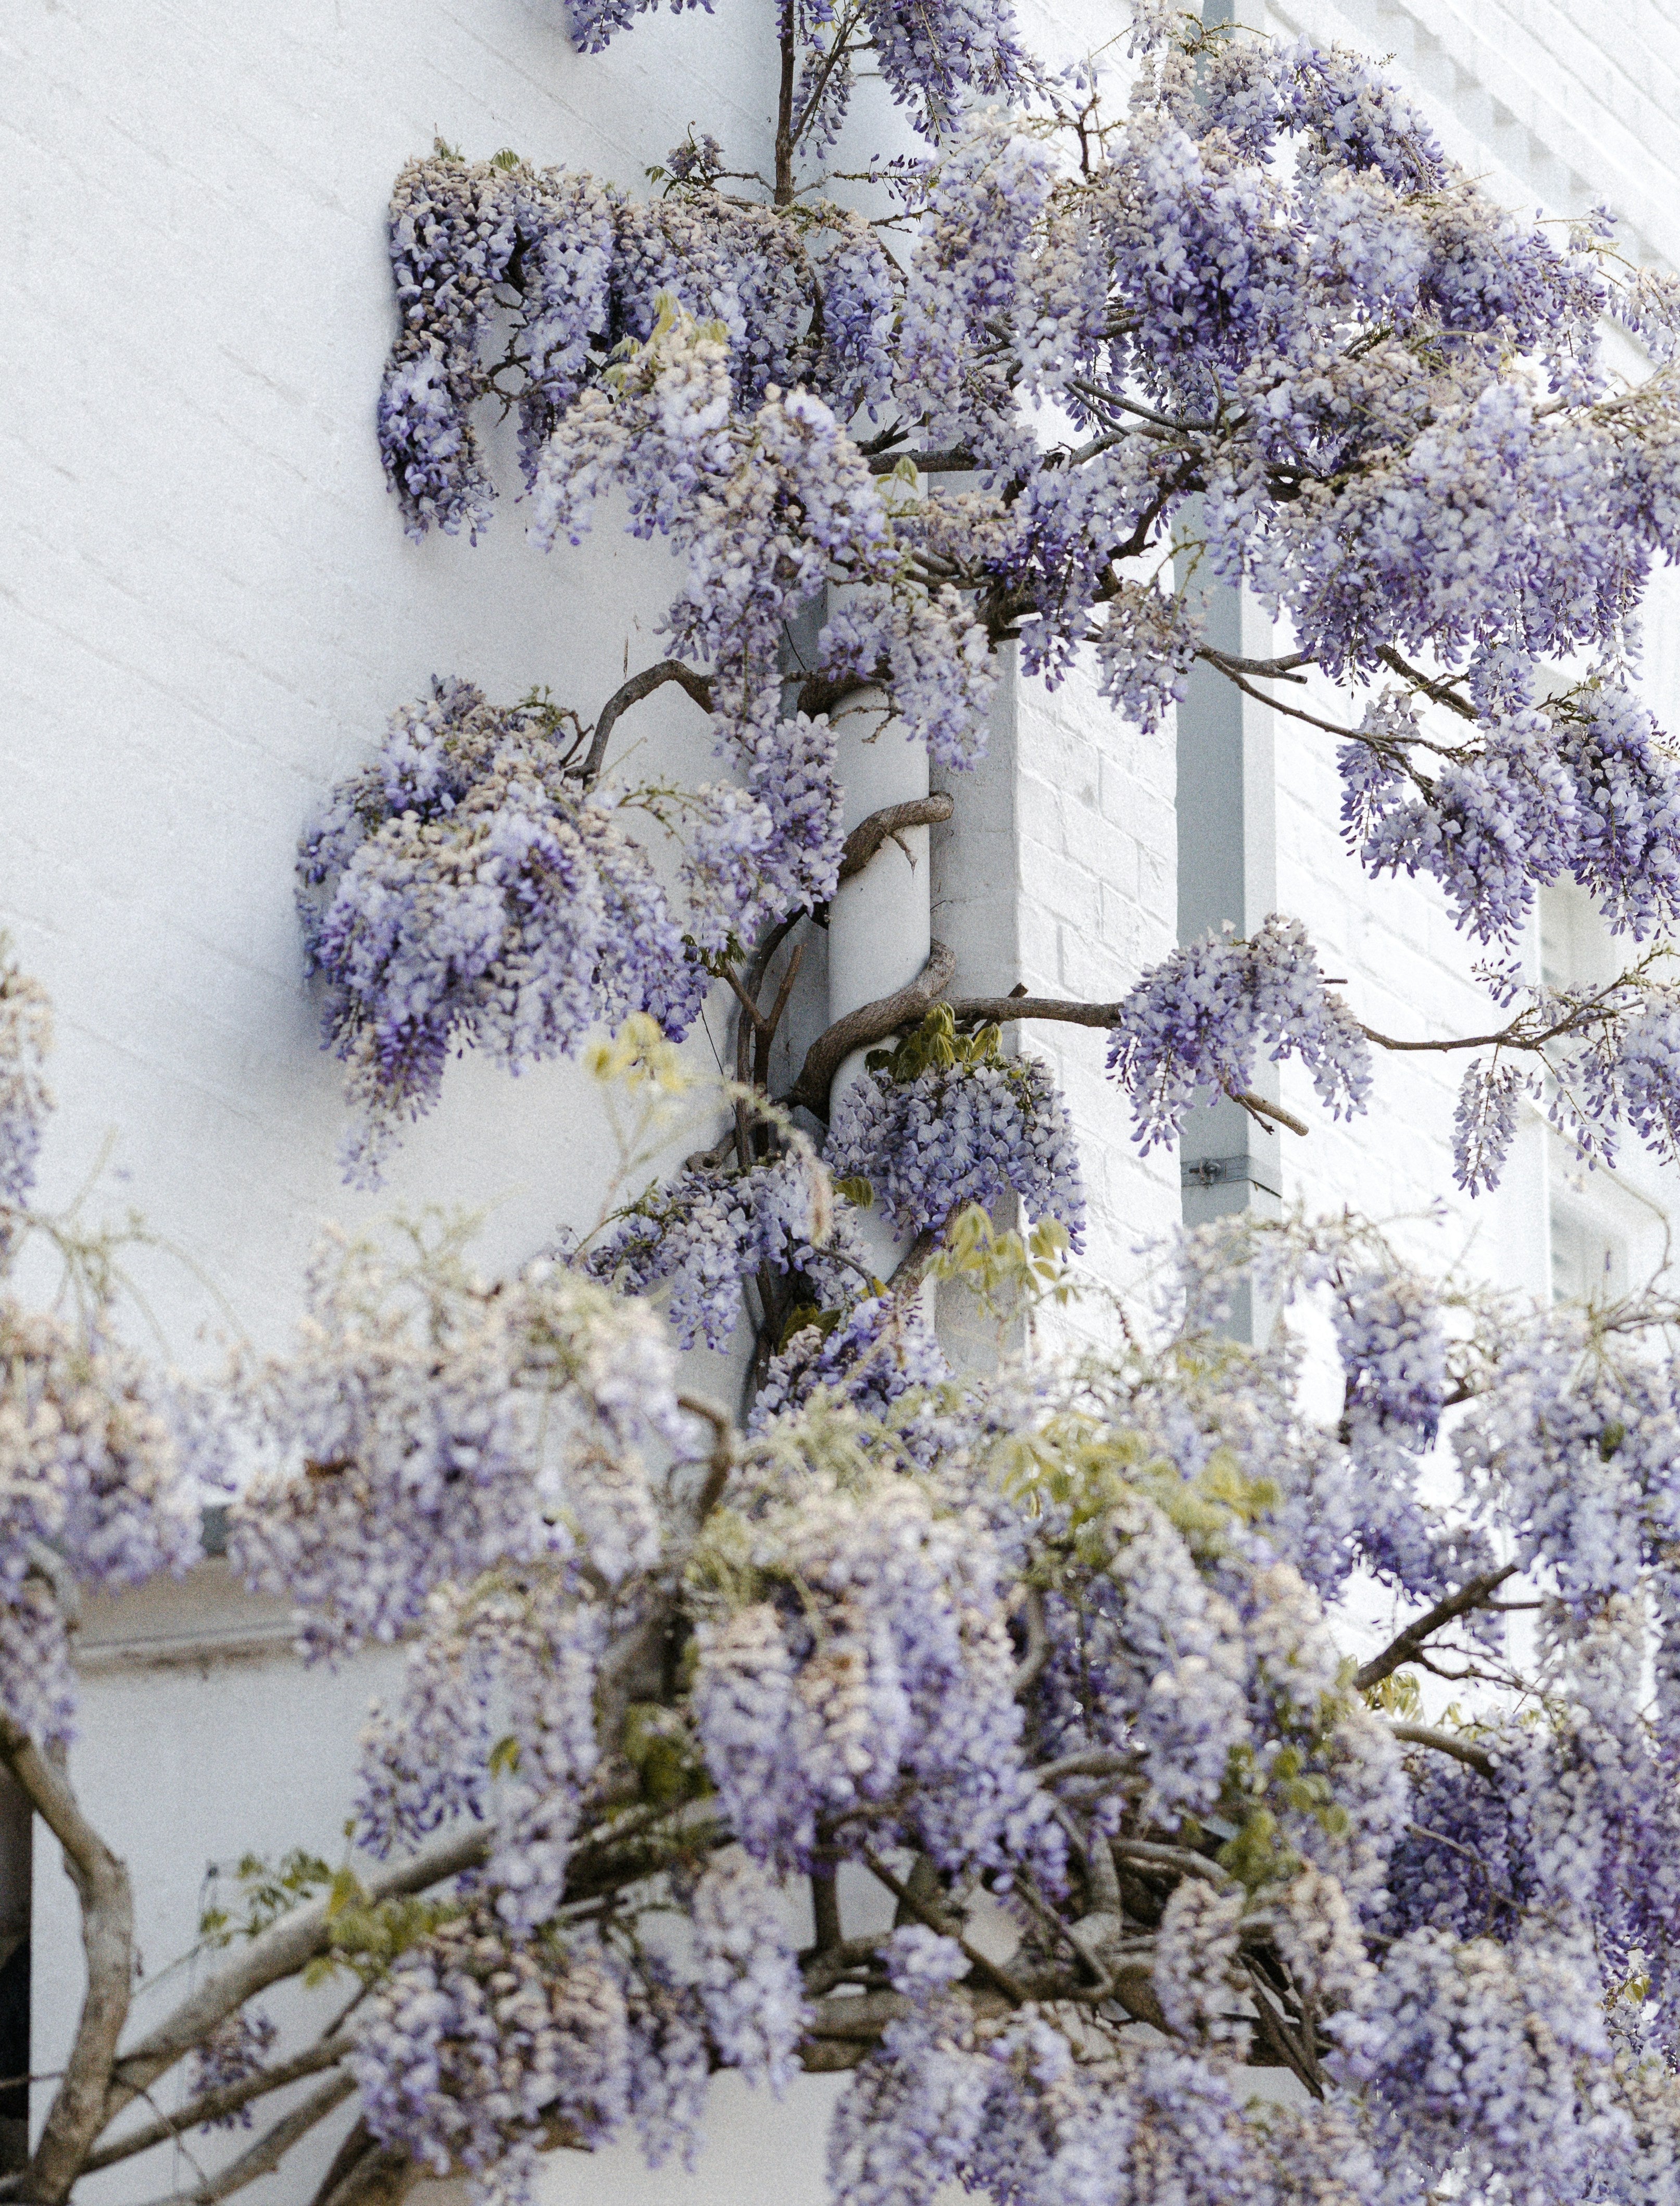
x,y
960,1133
458,890
706,1231
496,1720
1585,788
473,2042
1393,1350
26,1030
910,1677
873,1352
1484,1121
235,2050
749,1985
104,1466
766,508
427,1430
670,2062
1198,1977
1202,1016
1491,2058
452,236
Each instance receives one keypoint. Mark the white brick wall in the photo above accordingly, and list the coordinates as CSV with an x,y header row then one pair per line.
x,y
208,608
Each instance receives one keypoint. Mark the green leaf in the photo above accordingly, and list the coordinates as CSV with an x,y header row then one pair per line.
x,y
347,1890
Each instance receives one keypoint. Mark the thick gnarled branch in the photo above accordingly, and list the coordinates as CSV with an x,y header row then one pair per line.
x,y
78,2111
631,693
869,1023
887,824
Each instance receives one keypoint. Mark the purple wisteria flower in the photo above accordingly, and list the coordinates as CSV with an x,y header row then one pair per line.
x,y
417,1440
708,1229
25,1035
460,891
1202,1016
938,1123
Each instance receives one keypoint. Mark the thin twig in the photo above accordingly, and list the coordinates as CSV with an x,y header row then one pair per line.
x,y
227,2099
1000,1979
1408,1645
263,2157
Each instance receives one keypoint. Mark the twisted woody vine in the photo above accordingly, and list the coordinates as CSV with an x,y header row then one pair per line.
x,y
989,1737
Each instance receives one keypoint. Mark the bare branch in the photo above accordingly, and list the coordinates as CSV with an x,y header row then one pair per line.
x,y
723,1457
1151,1856
912,1269
1095,1762
764,1028
1229,667
279,1951
78,2111
364,2170
227,2099
870,1023
1446,1742
631,693
859,2014
999,1011
1408,1645
263,2157
907,1895
957,460
1257,1106
1443,693
821,692
1032,1663
890,822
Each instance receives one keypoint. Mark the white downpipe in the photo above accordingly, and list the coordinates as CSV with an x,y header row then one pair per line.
x,y
881,921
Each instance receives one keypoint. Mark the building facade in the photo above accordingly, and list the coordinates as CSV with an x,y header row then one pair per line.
x,y
209,611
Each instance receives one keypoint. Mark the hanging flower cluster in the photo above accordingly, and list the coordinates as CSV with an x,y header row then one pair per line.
x,y
1599,1060
477,2046
1586,786
459,891
892,1667
430,1429
1069,1655
870,1349
938,1123
26,1033
1201,1017
709,1229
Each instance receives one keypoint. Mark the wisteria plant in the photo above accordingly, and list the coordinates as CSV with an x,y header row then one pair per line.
x,y
991,1738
